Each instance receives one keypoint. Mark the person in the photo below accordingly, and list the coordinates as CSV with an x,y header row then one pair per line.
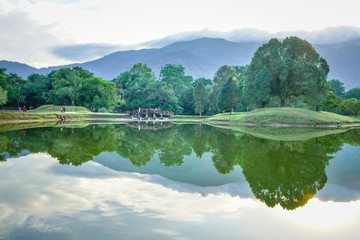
x,y
53,108
64,109
61,109
49,108
93,109
24,108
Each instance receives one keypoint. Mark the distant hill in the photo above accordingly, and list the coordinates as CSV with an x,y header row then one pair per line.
x,y
202,57
344,61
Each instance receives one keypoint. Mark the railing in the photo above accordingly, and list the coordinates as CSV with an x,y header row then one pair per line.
x,y
150,111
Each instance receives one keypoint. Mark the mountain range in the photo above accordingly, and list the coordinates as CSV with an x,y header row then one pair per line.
x,y
202,57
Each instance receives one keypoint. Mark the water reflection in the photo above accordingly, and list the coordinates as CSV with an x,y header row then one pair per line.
x,y
288,173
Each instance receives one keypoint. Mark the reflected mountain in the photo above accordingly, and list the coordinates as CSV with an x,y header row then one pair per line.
x,y
288,173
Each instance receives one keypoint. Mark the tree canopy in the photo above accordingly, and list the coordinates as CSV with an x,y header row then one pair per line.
x,y
294,67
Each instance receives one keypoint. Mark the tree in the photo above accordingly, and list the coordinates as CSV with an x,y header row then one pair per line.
x,y
257,92
3,96
94,86
186,101
97,103
37,86
221,76
295,67
175,75
3,93
351,106
206,81
200,97
353,93
229,96
139,88
66,85
15,89
332,102
337,87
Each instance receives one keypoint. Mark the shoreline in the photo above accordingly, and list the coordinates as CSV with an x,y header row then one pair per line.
x,y
268,118
220,123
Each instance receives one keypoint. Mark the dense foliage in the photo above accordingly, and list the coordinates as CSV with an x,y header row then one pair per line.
x,y
281,73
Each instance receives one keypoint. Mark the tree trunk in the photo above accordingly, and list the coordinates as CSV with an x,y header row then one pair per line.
x,y
282,102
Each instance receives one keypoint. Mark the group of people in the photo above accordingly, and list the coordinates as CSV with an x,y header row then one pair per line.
x,y
62,109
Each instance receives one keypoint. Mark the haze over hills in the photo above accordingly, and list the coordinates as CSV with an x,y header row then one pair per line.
x,y
202,57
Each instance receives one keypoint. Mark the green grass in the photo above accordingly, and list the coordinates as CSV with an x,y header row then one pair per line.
x,y
8,116
260,117
189,117
54,116
285,116
44,109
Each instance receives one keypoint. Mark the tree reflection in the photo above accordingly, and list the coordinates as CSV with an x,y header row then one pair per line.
x,y
288,173
285,173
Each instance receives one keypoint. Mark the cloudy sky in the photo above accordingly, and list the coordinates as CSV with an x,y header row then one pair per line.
x,y
52,32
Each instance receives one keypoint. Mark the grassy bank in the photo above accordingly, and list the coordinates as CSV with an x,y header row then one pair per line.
x,y
278,117
54,116
283,117
45,109
190,117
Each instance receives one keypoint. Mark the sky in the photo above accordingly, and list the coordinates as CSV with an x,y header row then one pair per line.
x,y
43,33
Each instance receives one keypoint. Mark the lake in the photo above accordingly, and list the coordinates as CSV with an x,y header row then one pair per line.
x,y
178,181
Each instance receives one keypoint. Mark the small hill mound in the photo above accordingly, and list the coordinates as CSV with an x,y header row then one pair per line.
x,y
45,109
285,116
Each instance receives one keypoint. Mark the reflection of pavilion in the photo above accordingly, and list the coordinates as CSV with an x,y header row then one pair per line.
x,y
154,113
152,126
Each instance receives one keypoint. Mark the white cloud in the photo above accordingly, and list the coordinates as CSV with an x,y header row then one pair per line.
x,y
114,22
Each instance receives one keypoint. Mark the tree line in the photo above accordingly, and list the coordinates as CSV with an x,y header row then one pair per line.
x,y
281,73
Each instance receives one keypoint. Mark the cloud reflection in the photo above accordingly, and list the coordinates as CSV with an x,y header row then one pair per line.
x,y
116,206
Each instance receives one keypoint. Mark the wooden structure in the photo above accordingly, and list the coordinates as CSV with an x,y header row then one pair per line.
x,y
150,126
152,113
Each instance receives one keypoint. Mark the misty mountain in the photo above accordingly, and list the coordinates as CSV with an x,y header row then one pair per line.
x,y
344,61
202,57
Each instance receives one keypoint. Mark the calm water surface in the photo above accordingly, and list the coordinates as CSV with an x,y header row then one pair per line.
x,y
178,182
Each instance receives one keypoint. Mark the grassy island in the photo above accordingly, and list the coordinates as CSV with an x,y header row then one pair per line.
x,y
285,117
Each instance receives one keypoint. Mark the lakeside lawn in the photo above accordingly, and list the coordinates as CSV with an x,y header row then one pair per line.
x,y
57,109
285,116
259,117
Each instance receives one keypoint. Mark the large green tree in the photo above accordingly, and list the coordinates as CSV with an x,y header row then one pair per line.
x,y
36,90
3,96
229,96
221,76
105,91
257,92
141,90
15,87
200,97
295,67
66,84
3,93
351,106
337,87
174,74
353,93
